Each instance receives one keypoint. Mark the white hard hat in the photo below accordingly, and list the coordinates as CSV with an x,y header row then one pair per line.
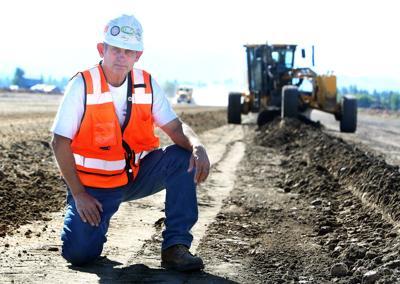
x,y
124,32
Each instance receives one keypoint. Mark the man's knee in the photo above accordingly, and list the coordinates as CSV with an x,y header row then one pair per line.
x,y
80,249
179,154
80,255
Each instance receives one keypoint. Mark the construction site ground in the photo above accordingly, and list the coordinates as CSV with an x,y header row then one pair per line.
x,y
293,202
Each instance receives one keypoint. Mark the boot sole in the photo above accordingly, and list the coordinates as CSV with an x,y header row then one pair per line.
x,y
183,268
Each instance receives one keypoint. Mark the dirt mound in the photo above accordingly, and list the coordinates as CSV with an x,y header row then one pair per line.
x,y
352,189
369,175
30,185
281,132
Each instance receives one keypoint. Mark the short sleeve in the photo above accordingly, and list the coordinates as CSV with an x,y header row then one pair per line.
x,y
70,111
162,109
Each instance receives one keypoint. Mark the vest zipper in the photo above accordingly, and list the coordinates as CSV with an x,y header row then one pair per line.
x,y
130,154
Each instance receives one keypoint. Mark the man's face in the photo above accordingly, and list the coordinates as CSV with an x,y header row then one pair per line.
x,y
118,60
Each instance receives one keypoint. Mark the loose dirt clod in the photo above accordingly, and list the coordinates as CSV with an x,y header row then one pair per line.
x,y
339,269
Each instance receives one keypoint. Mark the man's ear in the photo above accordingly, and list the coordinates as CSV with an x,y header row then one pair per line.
x,y
138,54
100,49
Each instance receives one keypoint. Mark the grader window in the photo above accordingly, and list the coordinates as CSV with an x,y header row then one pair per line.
x,y
289,59
283,57
275,56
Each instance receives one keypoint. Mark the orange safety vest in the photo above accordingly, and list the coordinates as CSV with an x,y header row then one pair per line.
x,y
106,154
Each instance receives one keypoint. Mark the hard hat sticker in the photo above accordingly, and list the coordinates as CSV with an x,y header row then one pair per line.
x,y
127,30
114,30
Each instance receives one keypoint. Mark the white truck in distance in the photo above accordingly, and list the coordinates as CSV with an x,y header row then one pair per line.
x,y
184,95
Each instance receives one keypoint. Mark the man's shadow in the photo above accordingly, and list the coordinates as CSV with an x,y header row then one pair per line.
x,y
107,271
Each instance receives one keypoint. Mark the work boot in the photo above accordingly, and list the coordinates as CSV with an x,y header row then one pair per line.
x,y
178,257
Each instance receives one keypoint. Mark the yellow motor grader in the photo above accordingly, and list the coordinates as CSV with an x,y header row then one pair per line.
x,y
276,88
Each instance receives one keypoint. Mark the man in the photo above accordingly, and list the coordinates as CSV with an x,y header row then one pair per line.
x,y
107,152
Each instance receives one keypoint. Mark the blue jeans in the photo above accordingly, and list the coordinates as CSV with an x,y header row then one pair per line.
x,y
162,168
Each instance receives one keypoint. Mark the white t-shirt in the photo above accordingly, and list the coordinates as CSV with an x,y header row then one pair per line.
x,y
70,111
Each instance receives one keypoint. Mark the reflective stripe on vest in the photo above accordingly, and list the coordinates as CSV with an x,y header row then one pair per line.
x,y
100,156
99,164
140,95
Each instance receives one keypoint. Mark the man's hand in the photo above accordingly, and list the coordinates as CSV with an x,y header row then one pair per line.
x,y
88,207
200,162
185,137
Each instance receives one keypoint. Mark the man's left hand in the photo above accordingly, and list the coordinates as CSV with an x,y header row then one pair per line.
x,y
200,162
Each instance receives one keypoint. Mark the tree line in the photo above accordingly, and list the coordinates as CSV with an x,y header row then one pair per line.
x,y
19,76
389,100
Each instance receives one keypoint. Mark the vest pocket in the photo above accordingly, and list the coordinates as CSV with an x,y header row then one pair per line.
x,y
145,129
104,130
141,134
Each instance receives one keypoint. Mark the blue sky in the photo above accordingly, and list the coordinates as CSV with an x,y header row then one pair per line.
x,y
203,40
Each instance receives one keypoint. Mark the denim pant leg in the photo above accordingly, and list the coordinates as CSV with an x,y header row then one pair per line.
x,y
82,242
167,168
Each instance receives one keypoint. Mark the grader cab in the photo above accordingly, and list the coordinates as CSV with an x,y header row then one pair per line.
x,y
276,88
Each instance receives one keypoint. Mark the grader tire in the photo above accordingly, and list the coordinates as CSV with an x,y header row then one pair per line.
x,y
234,108
290,102
348,121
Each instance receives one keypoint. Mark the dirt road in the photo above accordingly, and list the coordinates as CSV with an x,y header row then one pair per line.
x,y
290,203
